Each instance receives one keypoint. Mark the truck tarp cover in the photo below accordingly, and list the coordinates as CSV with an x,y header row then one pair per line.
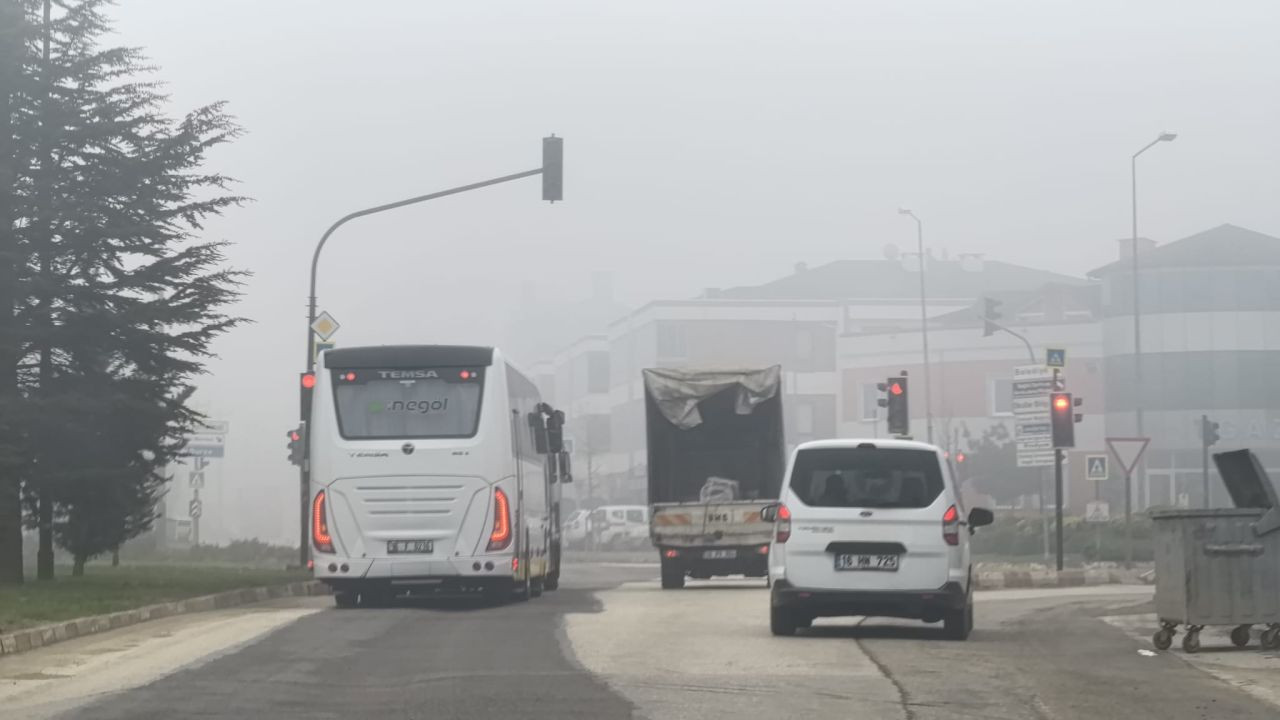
x,y
713,423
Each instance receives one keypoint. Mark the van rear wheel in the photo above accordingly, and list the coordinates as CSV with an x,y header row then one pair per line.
x,y
782,621
957,624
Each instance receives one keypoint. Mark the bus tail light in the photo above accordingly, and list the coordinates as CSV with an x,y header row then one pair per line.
x,y
951,526
320,525
500,536
783,526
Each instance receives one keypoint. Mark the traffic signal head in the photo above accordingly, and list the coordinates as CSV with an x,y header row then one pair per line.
x,y
1210,430
552,168
306,388
1062,419
298,444
899,415
991,313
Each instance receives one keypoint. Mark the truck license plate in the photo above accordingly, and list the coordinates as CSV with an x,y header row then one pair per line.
x,y
398,547
719,554
867,562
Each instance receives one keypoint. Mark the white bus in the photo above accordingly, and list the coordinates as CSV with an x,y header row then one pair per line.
x,y
430,472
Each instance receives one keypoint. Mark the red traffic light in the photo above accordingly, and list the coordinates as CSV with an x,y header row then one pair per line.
x,y
1061,403
959,457
294,436
895,389
308,380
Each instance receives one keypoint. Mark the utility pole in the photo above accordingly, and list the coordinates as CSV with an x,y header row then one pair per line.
x,y
924,325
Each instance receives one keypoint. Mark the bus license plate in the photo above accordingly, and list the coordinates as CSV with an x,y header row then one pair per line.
x,y
867,562
399,547
719,554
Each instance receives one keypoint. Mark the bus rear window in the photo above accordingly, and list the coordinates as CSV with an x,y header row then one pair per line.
x,y
402,403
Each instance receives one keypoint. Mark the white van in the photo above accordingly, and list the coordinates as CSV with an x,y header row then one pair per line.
x,y
871,527
427,475
618,527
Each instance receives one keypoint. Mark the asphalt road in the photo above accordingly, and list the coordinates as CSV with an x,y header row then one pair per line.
x,y
611,644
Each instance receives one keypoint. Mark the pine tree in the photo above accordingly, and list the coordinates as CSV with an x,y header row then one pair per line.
x,y
16,66
114,303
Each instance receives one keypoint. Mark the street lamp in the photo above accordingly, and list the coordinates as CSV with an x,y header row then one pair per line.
x,y
1137,333
924,320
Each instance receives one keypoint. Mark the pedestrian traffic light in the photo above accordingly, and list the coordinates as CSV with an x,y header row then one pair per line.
x,y
895,404
1209,430
297,444
990,315
1062,419
552,168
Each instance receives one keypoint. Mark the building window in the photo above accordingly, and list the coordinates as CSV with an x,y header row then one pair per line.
x,y
804,344
804,418
870,402
1001,392
597,372
671,341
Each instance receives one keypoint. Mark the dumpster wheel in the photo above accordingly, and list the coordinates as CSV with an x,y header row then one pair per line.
x,y
1240,635
1163,638
1271,638
1191,641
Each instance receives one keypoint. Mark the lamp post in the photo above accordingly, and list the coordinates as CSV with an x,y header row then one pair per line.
x,y
1137,321
924,324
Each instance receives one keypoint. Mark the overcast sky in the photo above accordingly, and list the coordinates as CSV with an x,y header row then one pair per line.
x,y
707,144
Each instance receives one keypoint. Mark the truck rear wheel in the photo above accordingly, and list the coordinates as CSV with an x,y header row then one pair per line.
x,y
672,575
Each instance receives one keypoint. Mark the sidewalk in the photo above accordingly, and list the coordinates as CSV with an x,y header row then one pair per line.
x,y
1250,669
32,638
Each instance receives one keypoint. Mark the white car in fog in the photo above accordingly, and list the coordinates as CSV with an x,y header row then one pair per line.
x,y
574,531
871,527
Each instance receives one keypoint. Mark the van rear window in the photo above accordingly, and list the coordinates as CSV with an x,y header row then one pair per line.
x,y
866,477
404,403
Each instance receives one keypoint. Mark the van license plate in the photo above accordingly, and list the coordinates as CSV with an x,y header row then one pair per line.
x,y
719,554
867,562
398,547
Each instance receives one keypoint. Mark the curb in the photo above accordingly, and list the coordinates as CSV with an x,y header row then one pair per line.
x,y
1053,579
44,635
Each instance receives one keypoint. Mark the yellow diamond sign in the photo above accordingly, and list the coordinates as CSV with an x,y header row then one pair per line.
x,y
325,326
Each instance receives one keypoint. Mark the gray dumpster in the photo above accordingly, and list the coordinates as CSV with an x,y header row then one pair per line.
x,y
1221,566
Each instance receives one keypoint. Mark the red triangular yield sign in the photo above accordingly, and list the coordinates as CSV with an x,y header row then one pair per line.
x,y
1128,451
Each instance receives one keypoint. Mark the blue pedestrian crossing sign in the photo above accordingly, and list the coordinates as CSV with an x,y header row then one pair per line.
x,y
1095,467
1055,357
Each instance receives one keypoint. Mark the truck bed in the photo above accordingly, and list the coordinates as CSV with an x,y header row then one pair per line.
x,y
713,524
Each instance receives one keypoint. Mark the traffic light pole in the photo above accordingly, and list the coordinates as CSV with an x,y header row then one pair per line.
x,y
552,157
1204,455
1031,353
1057,491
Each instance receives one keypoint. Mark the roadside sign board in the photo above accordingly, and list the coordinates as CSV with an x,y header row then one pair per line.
x,y
1032,431
195,508
1095,467
1127,451
195,479
322,346
1097,511
1055,357
325,326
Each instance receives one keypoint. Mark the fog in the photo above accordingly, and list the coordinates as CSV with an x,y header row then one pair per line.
x,y
707,144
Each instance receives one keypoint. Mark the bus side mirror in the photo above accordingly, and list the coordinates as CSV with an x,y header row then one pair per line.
x,y
980,517
565,467
555,431
769,513
539,431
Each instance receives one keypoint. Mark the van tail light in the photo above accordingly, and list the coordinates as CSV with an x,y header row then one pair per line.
x,y
500,537
951,526
782,528
320,524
